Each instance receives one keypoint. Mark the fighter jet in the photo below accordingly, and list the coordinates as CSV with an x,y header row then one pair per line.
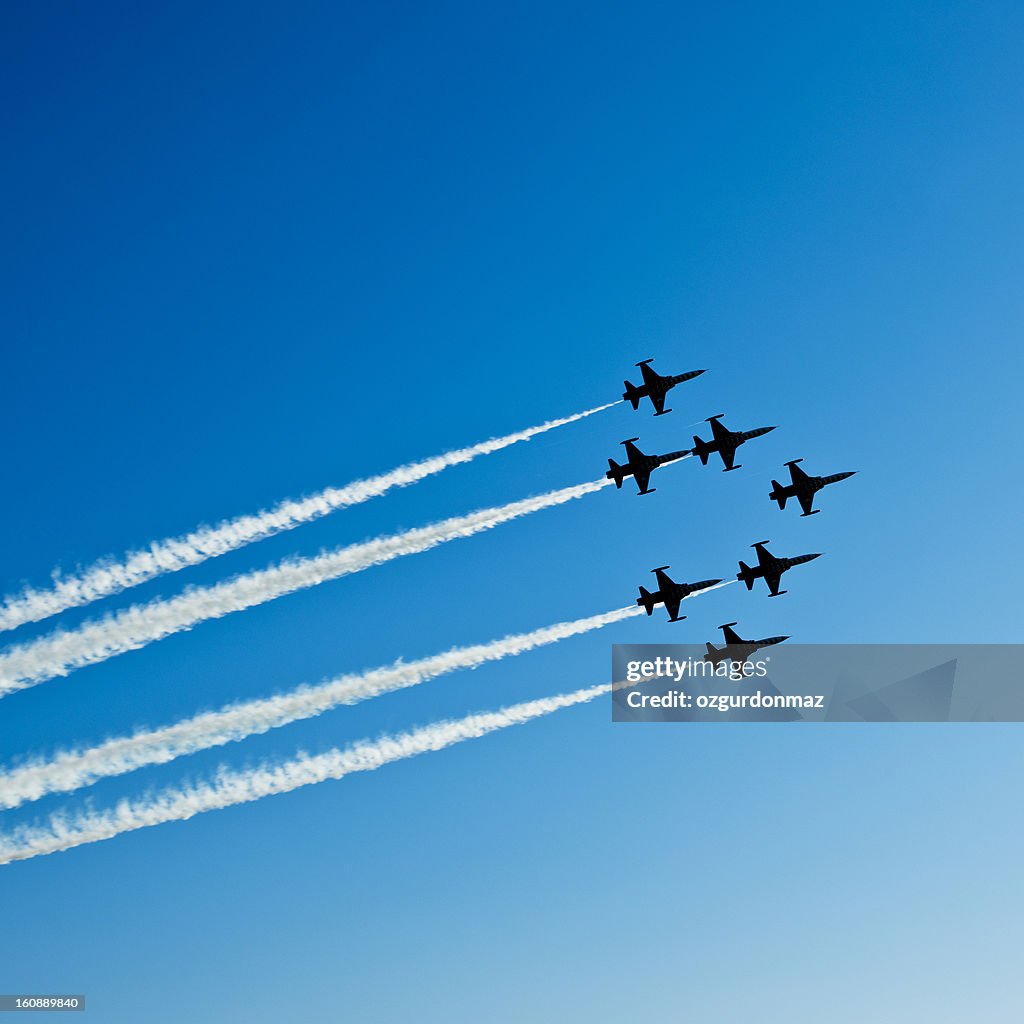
x,y
670,594
736,648
770,567
655,386
803,487
640,466
724,441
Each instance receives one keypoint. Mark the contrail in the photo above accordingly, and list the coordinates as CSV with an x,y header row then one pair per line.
x,y
227,788
62,652
173,554
71,769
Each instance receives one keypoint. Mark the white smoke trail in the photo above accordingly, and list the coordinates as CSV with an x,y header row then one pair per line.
x,y
715,586
71,769
111,577
227,788
62,652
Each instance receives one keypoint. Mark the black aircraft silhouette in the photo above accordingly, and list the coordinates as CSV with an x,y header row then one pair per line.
x,y
724,441
670,594
770,567
736,648
640,466
803,487
655,386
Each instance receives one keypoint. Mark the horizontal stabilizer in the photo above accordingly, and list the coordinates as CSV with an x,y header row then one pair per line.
x,y
746,574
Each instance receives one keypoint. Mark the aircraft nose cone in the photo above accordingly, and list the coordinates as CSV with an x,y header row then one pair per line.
x,y
811,558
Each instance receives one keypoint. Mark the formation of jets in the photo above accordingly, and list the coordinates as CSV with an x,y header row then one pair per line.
x,y
803,487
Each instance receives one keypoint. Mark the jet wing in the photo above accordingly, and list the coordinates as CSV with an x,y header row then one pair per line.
x,y
642,478
797,475
672,606
650,376
657,400
731,637
806,499
773,579
728,454
765,559
632,452
665,585
720,433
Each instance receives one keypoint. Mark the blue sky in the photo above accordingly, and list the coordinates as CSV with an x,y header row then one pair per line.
x,y
255,250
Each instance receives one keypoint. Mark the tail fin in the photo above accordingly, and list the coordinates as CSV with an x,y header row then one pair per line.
x,y
712,650
700,451
646,600
746,574
631,394
614,472
778,494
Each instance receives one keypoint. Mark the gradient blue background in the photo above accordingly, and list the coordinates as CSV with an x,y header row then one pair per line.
x,y
251,250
